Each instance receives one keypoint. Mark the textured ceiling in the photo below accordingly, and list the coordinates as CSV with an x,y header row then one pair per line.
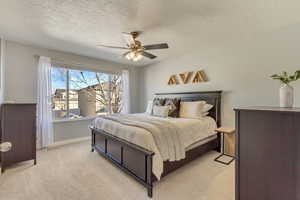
x,y
78,25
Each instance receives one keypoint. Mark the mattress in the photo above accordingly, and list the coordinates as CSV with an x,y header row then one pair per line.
x,y
201,141
192,131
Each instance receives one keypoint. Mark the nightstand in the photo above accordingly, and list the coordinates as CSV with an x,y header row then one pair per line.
x,y
223,131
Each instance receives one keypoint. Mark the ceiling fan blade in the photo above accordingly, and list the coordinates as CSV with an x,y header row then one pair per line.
x,y
156,46
148,55
114,47
129,39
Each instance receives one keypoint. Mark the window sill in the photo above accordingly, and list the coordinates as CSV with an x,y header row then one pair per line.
x,y
73,120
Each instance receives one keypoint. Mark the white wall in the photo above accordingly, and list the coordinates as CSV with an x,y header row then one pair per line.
x,y
240,67
21,81
71,129
2,69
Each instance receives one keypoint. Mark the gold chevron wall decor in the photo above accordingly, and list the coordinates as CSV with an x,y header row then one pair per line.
x,y
199,77
185,77
172,80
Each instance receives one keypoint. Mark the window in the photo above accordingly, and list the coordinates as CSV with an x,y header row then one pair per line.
x,y
77,94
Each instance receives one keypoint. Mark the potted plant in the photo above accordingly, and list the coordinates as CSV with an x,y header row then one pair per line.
x,y
286,91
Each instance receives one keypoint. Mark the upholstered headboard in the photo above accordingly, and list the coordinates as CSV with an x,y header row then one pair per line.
x,y
211,97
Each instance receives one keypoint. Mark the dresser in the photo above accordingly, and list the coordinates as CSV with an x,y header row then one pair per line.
x,y
267,153
18,127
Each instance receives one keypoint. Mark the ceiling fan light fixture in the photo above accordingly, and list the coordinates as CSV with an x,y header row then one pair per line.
x,y
136,51
134,56
128,56
138,57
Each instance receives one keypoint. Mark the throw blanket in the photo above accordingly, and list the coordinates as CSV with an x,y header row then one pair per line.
x,y
166,135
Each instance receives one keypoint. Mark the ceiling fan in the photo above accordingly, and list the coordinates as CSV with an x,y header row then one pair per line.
x,y
135,50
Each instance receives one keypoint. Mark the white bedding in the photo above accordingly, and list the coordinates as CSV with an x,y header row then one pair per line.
x,y
191,131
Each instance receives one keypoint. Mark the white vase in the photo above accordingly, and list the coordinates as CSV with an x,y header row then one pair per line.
x,y
286,95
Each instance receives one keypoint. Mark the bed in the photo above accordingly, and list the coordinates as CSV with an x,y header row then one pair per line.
x,y
133,149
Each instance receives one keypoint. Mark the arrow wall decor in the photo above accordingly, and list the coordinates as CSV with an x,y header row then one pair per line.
x,y
185,77
198,77
172,80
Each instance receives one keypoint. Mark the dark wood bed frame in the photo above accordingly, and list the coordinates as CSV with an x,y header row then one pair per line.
x,y
137,161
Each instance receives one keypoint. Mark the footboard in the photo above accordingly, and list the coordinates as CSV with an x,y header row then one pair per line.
x,y
132,159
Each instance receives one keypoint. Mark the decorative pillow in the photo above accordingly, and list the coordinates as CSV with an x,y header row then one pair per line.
x,y
174,105
161,111
191,109
207,107
158,102
149,107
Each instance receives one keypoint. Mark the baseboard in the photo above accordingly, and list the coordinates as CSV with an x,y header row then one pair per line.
x,y
70,141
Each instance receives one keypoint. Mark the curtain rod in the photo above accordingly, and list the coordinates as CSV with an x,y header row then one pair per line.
x,y
62,62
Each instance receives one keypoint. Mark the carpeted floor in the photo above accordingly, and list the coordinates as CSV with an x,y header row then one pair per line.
x,y
72,172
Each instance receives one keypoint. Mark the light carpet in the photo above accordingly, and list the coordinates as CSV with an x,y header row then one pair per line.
x,y
72,172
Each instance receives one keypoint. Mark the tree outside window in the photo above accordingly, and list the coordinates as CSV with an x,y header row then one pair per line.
x,y
79,93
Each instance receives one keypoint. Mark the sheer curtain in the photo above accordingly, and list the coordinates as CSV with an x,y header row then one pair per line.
x,y
126,92
44,109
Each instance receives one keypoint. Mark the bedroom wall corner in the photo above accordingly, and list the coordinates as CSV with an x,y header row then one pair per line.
x,y
135,96
143,97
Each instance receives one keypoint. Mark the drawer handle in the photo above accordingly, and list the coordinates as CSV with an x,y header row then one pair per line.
x,y
5,147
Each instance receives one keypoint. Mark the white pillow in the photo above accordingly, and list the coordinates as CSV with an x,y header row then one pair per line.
x,y
161,111
205,114
191,109
149,107
207,107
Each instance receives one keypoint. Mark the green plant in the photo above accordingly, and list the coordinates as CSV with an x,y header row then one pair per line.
x,y
285,78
